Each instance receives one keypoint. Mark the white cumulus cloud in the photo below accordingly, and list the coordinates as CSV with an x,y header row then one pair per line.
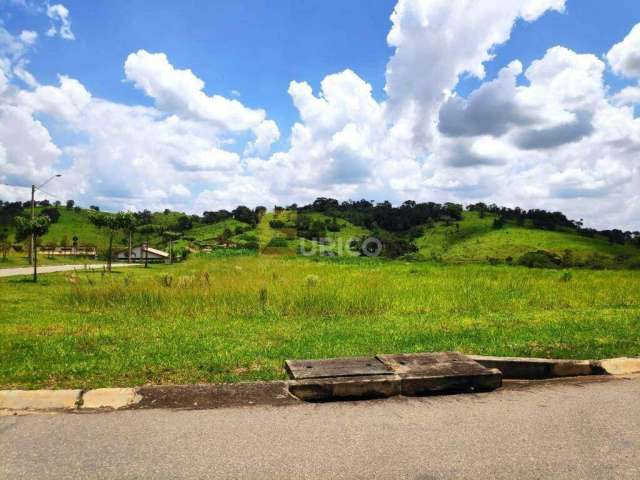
x,y
624,57
60,22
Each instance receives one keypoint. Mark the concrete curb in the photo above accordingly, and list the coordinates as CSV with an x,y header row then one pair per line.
x,y
619,366
522,368
39,399
113,398
538,368
275,393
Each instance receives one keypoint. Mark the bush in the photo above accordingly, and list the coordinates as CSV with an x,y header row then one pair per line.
x,y
276,224
568,259
248,237
540,259
52,212
566,276
333,225
278,242
596,261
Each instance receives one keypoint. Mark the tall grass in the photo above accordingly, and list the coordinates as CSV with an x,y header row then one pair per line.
x,y
237,318
251,286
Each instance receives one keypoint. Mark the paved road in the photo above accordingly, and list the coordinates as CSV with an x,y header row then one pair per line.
x,y
12,272
554,431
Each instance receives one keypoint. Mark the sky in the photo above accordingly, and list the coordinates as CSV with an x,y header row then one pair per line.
x,y
198,106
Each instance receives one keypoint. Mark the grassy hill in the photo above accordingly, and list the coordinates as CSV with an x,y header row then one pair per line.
x,y
474,240
337,242
470,240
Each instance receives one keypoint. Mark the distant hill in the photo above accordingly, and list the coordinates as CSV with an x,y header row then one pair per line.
x,y
432,232
475,240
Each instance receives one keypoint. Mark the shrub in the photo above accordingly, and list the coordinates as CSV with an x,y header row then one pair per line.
x,y
568,259
596,261
248,237
540,259
276,224
278,242
566,276
251,245
52,212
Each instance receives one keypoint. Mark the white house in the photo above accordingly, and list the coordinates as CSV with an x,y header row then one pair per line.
x,y
142,253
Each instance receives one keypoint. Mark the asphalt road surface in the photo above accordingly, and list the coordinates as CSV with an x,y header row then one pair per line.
x,y
557,430
12,272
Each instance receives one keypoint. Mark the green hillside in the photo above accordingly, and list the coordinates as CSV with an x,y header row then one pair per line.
x,y
474,240
337,242
74,223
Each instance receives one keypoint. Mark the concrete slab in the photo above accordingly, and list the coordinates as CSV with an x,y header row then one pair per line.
x,y
432,364
346,388
620,366
110,398
39,399
441,372
537,368
335,367
419,385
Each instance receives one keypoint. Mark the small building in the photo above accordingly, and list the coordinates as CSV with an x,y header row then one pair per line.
x,y
75,251
143,253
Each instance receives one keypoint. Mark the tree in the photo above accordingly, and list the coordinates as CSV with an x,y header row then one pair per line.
x,y
184,223
95,208
147,230
144,217
35,227
4,243
260,212
215,217
171,237
52,212
128,223
70,204
111,223
244,214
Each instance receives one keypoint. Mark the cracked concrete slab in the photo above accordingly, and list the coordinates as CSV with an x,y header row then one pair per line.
x,y
110,398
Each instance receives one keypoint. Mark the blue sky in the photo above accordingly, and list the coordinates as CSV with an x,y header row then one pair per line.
x,y
257,47
251,51
253,47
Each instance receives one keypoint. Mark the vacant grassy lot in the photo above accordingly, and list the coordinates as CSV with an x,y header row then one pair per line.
x,y
238,318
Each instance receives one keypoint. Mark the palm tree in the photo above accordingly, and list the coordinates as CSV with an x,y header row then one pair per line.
x,y
147,230
128,223
112,223
171,237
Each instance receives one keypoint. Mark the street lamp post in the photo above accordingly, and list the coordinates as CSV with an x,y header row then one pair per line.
x,y
33,256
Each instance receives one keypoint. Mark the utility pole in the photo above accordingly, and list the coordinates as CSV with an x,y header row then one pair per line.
x,y
33,256
33,216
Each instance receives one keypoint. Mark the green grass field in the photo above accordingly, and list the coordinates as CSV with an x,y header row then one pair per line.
x,y
222,318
